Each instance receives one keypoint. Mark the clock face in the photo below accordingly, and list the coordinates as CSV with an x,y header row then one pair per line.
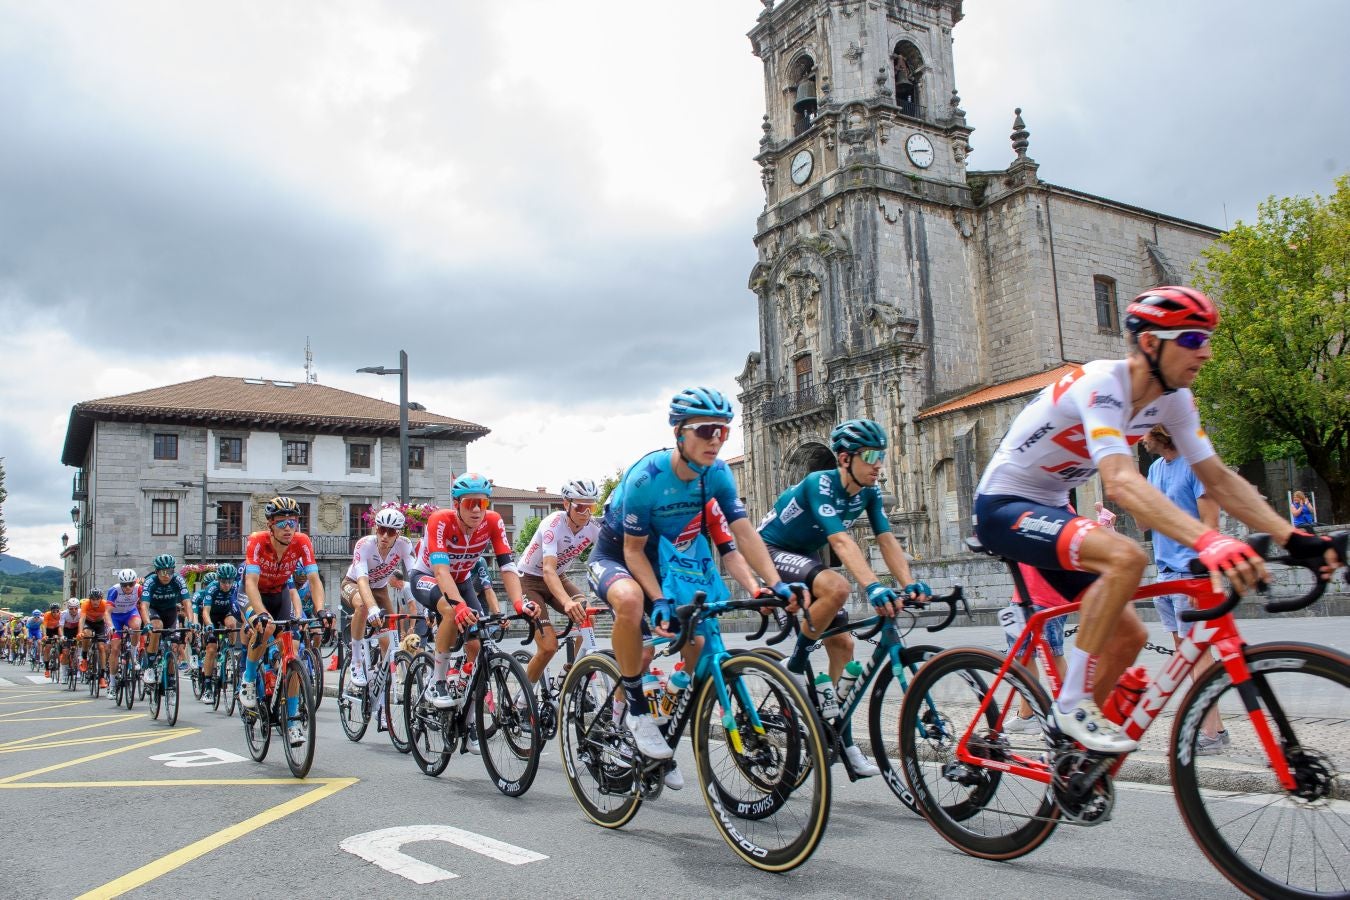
x,y
920,150
802,164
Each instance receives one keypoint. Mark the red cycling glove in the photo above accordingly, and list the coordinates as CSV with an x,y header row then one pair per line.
x,y
527,607
462,614
1218,552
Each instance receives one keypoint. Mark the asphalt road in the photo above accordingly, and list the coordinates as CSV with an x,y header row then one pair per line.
x,y
98,802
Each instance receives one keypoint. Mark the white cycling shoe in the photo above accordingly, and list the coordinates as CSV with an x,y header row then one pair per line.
x,y
1087,725
651,743
858,761
673,779
295,733
248,695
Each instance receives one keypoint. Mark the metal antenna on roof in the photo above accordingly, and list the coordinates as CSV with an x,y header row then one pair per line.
x,y
311,376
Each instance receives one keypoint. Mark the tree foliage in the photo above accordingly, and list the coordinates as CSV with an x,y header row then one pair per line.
x,y
4,542
526,532
1280,377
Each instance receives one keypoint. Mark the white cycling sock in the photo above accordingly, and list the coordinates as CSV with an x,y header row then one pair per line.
x,y
442,666
389,642
1077,680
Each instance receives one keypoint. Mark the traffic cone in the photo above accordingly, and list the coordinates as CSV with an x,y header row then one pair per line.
x,y
332,663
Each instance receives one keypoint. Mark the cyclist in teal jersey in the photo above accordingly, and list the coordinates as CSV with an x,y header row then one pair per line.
x,y
164,598
818,512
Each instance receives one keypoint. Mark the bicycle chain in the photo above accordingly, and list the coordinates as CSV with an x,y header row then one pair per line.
x,y
1148,645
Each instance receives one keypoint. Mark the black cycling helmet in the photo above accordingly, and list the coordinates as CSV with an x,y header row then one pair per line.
x,y
281,506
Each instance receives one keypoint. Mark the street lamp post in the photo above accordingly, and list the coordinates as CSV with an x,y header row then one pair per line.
x,y
201,547
402,373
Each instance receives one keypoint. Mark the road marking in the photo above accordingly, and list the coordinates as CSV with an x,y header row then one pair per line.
x,y
19,712
76,742
6,683
160,782
166,864
28,696
167,736
191,759
71,718
383,849
124,717
39,679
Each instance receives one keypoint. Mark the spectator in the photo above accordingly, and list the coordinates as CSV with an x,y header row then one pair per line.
x,y
1043,596
1105,517
1301,511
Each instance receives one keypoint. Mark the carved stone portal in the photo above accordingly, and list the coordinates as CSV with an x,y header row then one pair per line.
x,y
796,299
330,514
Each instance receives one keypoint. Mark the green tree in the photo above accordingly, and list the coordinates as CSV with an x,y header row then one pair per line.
x,y
4,542
526,532
607,487
1280,376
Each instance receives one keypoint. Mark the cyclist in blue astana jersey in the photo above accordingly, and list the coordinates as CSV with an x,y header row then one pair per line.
x,y
164,597
218,605
818,512
664,495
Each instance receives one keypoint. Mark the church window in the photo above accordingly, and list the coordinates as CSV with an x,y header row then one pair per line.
x,y
803,94
907,67
805,377
1104,290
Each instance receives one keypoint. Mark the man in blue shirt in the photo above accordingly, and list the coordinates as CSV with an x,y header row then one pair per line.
x,y
1172,475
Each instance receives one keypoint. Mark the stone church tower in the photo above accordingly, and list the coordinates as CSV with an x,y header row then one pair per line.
x,y
895,284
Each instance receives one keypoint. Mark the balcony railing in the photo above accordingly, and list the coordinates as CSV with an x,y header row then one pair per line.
x,y
231,546
810,398
79,489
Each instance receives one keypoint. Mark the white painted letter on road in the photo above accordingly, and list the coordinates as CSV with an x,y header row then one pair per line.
x,y
383,848
190,759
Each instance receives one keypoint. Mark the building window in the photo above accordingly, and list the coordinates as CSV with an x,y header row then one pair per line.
x,y
356,520
358,456
231,450
805,377
1104,290
803,94
539,512
417,457
166,446
907,68
297,453
164,518
304,517
507,512
229,527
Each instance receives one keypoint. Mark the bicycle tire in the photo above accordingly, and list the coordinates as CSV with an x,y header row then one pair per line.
x,y
969,816
776,714
129,679
154,697
257,726
1265,840
353,711
394,720
198,679
315,668
427,726
522,656
598,754
299,759
911,658
219,678
229,683
171,689
798,811
93,685
508,728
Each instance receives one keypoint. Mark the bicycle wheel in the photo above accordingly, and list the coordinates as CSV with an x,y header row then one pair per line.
x,y
353,712
883,721
315,669
394,719
129,679
522,656
598,753
980,810
93,683
257,726
198,679
427,726
299,757
229,683
508,726
171,685
1266,840
775,820
154,695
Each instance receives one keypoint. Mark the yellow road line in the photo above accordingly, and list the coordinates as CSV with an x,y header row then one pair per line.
x,y
166,864
167,782
75,742
36,696
167,736
19,712
72,718
125,717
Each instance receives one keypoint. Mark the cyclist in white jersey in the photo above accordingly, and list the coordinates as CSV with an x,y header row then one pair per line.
x,y
375,558
558,540
1084,424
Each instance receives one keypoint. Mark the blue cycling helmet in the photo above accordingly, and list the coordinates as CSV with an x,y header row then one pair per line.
x,y
163,561
857,434
699,402
470,483
227,572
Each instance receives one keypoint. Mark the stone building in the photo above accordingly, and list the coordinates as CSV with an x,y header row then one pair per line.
x,y
897,284
186,469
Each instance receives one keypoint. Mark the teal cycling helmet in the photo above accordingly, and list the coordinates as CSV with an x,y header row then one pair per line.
x,y
210,578
857,434
699,402
164,561
227,572
470,483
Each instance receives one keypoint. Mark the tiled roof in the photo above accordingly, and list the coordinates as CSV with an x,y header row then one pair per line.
x,y
509,494
256,403
1015,388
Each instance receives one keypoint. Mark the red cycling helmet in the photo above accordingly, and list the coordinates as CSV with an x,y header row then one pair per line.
x,y
1169,307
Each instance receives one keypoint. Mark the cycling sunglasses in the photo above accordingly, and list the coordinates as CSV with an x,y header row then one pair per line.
x,y
286,523
871,456
385,530
474,502
709,430
1189,339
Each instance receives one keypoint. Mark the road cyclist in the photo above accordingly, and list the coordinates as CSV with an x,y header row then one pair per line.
x,y
164,601
219,609
124,598
95,632
365,586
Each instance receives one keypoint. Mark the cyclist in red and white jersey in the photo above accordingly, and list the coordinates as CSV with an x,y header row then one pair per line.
x,y
1084,424
375,558
442,572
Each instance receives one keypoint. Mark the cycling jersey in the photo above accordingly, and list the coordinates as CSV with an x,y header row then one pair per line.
x,y
444,544
367,562
95,609
555,538
1058,440
51,620
652,500
124,602
261,560
220,603
158,595
34,626
818,506
70,619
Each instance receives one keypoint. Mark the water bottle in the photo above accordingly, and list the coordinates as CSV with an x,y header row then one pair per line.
x,y
852,672
269,682
1127,694
651,686
671,698
829,706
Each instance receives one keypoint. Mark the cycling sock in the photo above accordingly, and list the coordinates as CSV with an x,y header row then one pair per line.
x,y
389,641
798,661
292,707
637,700
1077,680
442,666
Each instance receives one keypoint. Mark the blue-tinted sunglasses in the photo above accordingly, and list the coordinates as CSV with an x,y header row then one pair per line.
x,y
1189,339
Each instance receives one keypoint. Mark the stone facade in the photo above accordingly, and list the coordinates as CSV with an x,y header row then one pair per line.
x,y
890,279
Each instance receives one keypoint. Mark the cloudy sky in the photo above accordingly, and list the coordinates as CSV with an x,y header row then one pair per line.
x,y
549,205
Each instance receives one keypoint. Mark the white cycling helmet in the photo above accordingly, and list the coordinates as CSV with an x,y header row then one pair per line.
x,y
72,603
390,518
581,489
126,576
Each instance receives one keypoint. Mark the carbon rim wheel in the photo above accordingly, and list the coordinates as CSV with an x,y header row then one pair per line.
x,y
353,711
508,727
1266,840
299,758
428,726
257,729
884,730
229,684
171,686
597,752
395,720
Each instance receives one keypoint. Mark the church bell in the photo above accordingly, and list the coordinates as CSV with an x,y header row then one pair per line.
x,y
806,97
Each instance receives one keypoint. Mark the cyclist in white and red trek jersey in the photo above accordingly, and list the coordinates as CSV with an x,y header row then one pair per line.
x,y
1084,424
375,558
442,567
